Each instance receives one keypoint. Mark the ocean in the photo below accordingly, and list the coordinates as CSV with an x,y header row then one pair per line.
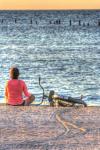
x,y
61,47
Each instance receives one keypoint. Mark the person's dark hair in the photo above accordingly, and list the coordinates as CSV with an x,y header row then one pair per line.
x,y
14,73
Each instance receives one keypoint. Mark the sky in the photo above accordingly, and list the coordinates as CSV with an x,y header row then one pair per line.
x,y
49,4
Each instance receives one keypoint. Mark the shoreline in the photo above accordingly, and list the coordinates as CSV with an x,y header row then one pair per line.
x,y
44,127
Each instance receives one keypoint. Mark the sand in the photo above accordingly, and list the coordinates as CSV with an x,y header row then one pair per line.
x,y
49,128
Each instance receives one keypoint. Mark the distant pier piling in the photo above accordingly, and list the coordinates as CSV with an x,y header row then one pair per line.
x,y
2,20
88,24
36,22
70,22
31,21
57,22
79,22
50,22
15,20
99,23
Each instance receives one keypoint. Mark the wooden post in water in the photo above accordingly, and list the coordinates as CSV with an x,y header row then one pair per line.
x,y
70,22
99,23
88,24
2,21
50,22
31,21
57,22
15,20
79,22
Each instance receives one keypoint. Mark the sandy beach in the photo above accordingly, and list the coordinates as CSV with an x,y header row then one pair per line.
x,y
47,128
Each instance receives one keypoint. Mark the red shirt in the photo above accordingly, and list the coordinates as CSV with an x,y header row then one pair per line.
x,y
14,91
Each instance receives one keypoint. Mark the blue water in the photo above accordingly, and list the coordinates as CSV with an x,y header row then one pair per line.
x,y
66,56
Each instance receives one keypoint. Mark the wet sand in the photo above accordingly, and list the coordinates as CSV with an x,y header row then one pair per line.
x,y
49,128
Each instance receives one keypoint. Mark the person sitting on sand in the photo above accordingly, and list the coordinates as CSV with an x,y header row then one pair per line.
x,y
15,89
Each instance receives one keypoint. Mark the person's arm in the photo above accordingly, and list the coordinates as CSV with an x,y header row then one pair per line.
x,y
25,90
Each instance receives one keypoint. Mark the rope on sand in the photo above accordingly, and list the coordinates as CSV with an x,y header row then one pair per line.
x,y
65,123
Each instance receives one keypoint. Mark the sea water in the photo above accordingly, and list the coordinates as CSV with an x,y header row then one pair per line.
x,y
63,47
